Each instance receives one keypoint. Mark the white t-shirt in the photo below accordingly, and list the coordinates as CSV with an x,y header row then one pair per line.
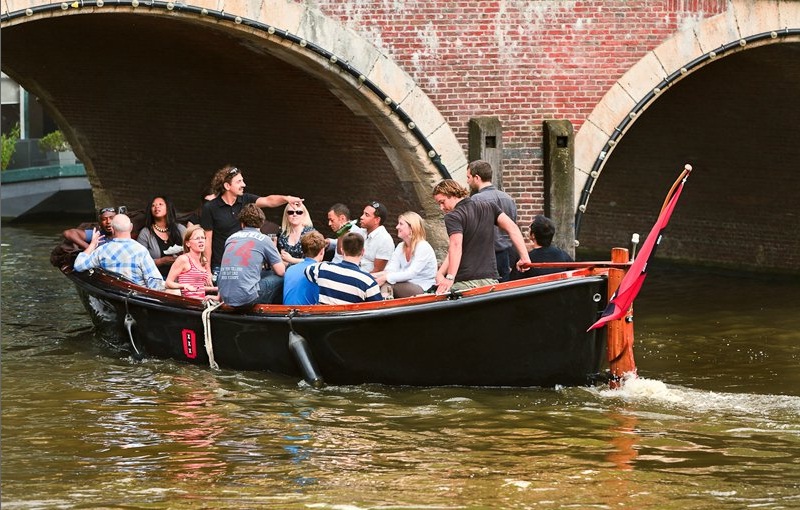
x,y
378,245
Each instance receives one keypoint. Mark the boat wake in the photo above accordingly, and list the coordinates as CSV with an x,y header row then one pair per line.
x,y
650,391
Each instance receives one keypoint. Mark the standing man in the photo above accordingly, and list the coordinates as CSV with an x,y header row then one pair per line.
x,y
242,280
82,237
345,282
220,215
121,255
378,245
338,216
470,260
479,179
297,290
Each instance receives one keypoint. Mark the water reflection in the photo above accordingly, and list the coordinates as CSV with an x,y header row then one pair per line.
x,y
713,423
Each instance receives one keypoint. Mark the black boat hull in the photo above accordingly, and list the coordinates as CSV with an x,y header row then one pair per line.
x,y
514,335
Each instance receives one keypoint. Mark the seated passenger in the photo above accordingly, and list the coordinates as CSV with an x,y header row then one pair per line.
x,y
122,255
542,231
191,272
297,290
378,244
338,217
345,282
161,232
242,279
82,237
295,224
412,268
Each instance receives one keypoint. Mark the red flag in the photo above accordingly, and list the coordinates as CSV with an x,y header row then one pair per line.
x,y
621,301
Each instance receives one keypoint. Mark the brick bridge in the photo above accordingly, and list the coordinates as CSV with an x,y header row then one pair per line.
x,y
373,99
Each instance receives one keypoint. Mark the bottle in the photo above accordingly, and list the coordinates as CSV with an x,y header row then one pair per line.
x,y
345,228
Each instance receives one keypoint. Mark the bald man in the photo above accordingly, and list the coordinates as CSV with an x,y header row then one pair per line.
x,y
122,255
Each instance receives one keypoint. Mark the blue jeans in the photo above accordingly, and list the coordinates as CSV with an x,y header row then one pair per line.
x,y
270,288
503,265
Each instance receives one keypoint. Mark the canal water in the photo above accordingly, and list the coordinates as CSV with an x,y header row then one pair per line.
x,y
713,422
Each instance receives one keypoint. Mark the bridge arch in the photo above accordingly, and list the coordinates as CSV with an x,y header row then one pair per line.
x,y
744,26
735,76
348,92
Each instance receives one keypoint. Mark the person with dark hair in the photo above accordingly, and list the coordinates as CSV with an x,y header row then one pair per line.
x,y
219,217
344,282
339,217
297,290
470,260
378,244
82,237
542,231
242,280
479,179
161,232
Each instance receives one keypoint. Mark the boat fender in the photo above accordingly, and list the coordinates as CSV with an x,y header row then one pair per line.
x,y
299,348
130,323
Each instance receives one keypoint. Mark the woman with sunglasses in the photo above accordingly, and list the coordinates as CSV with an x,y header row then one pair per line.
x,y
296,223
161,232
190,273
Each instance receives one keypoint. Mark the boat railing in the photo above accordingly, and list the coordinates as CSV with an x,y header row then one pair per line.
x,y
120,285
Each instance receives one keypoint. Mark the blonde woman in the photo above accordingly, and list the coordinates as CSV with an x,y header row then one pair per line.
x,y
412,268
295,224
191,272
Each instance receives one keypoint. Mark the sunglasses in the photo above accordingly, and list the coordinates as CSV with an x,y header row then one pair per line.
x,y
107,210
375,205
298,212
233,171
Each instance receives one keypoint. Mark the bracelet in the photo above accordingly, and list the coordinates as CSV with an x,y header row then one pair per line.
x,y
449,277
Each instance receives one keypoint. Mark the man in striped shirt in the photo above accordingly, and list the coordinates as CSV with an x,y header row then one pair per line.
x,y
122,255
344,282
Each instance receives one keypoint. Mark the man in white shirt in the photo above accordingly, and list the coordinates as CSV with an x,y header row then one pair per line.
x,y
379,245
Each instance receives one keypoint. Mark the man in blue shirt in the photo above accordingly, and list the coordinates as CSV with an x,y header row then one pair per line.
x,y
122,255
344,283
297,290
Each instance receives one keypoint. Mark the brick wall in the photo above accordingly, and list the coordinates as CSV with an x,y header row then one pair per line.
x,y
522,61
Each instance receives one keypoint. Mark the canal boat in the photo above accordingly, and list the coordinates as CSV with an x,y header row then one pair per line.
x,y
554,329
530,332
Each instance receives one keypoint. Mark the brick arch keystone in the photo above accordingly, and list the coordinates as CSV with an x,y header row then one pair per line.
x,y
746,24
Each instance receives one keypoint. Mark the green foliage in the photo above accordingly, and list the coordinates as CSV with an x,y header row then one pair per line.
x,y
54,141
9,145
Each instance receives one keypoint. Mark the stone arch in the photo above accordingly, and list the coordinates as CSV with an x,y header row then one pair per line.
x,y
421,146
743,26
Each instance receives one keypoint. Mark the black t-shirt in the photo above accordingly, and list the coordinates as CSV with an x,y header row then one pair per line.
x,y
475,220
223,220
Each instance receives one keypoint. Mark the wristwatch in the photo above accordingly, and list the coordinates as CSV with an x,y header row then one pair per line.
x,y
449,277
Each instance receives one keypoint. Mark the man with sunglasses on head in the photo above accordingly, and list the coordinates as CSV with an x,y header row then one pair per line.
x,y
82,237
220,216
378,245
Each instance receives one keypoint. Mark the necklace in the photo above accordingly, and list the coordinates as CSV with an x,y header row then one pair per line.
x,y
160,229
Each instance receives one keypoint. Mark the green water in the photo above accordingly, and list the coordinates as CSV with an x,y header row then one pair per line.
x,y
713,423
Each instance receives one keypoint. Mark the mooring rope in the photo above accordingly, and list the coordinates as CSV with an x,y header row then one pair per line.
x,y
211,305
